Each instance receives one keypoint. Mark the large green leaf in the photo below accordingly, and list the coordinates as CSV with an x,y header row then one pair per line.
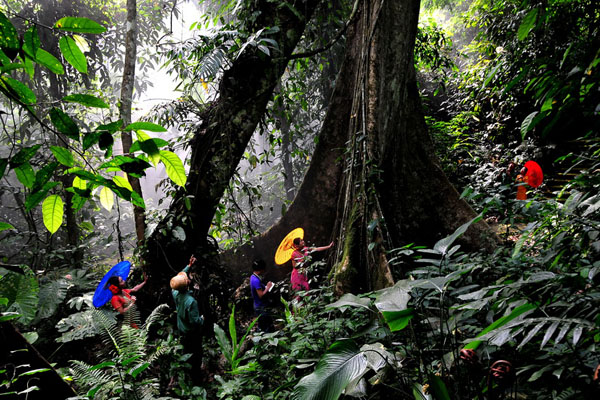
x,y
25,175
122,181
31,42
9,39
107,198
146,126
51,295
24,155
46,59
174,167
527,24
398,320
79,25
63,156
527,307
351,300
86,100
73,54
64,124
5,226
19,90
341,364
21,290
444,244
223,342
53,211
44,175
35,197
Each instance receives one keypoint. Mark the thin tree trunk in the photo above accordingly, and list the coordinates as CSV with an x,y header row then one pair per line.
x,y
286,156
127,86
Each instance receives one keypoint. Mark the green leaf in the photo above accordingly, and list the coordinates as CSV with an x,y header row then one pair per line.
x,y
106,198
91,138
24,155
146,126
341,364
31,42
73,54
137,200
63,156
398,320
29,67
64,124
351,300
25,175
11,67
52,210
5,226
44,175
528,124
86,100
501,322
19,90
21,290
139,369
438,388
149,147
223,342
111,127
122,181
174,167
527,24
34,198
79,25
46,59
134,166
9,39
444,244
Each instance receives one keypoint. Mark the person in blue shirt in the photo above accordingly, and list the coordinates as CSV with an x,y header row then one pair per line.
x,y
259,290
189,320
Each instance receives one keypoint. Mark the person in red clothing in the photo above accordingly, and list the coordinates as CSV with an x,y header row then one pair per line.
x,y
299,257
122,300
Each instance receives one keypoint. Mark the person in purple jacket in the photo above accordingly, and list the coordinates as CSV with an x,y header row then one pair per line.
x,y
259,290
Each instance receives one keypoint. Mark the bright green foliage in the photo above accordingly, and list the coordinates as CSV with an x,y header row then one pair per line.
x,y
53,211
342,364
79,25
230,347
174,167
73,54
124,373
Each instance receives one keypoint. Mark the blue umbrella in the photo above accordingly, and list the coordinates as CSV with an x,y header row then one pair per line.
x,y
102,294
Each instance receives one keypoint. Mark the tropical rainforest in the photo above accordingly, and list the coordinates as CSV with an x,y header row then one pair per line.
x,y
448,149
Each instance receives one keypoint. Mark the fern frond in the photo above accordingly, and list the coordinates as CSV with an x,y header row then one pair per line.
x,y
158,314
88,378
51,295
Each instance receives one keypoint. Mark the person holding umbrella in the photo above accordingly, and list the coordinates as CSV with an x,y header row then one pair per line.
x,y
122,300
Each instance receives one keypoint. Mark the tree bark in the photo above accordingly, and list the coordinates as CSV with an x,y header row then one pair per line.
x,y
220,140
127,85
394,191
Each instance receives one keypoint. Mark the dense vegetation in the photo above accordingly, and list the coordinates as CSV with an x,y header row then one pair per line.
x,y
501,81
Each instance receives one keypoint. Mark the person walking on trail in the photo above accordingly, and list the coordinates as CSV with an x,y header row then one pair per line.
x,y
189,320
259,290
299,257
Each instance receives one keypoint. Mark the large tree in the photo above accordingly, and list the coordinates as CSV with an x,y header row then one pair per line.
x,y
391,175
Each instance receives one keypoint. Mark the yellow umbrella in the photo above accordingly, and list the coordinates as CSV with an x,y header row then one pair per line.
x,y
286,247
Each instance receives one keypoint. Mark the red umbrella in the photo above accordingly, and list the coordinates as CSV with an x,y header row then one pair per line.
x,y
534,174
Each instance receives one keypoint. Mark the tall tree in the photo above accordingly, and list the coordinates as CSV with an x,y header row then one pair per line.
x,y
221,138
127,85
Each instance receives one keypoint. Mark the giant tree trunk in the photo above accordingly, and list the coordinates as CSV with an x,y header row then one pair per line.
x,y
221,139
394,191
